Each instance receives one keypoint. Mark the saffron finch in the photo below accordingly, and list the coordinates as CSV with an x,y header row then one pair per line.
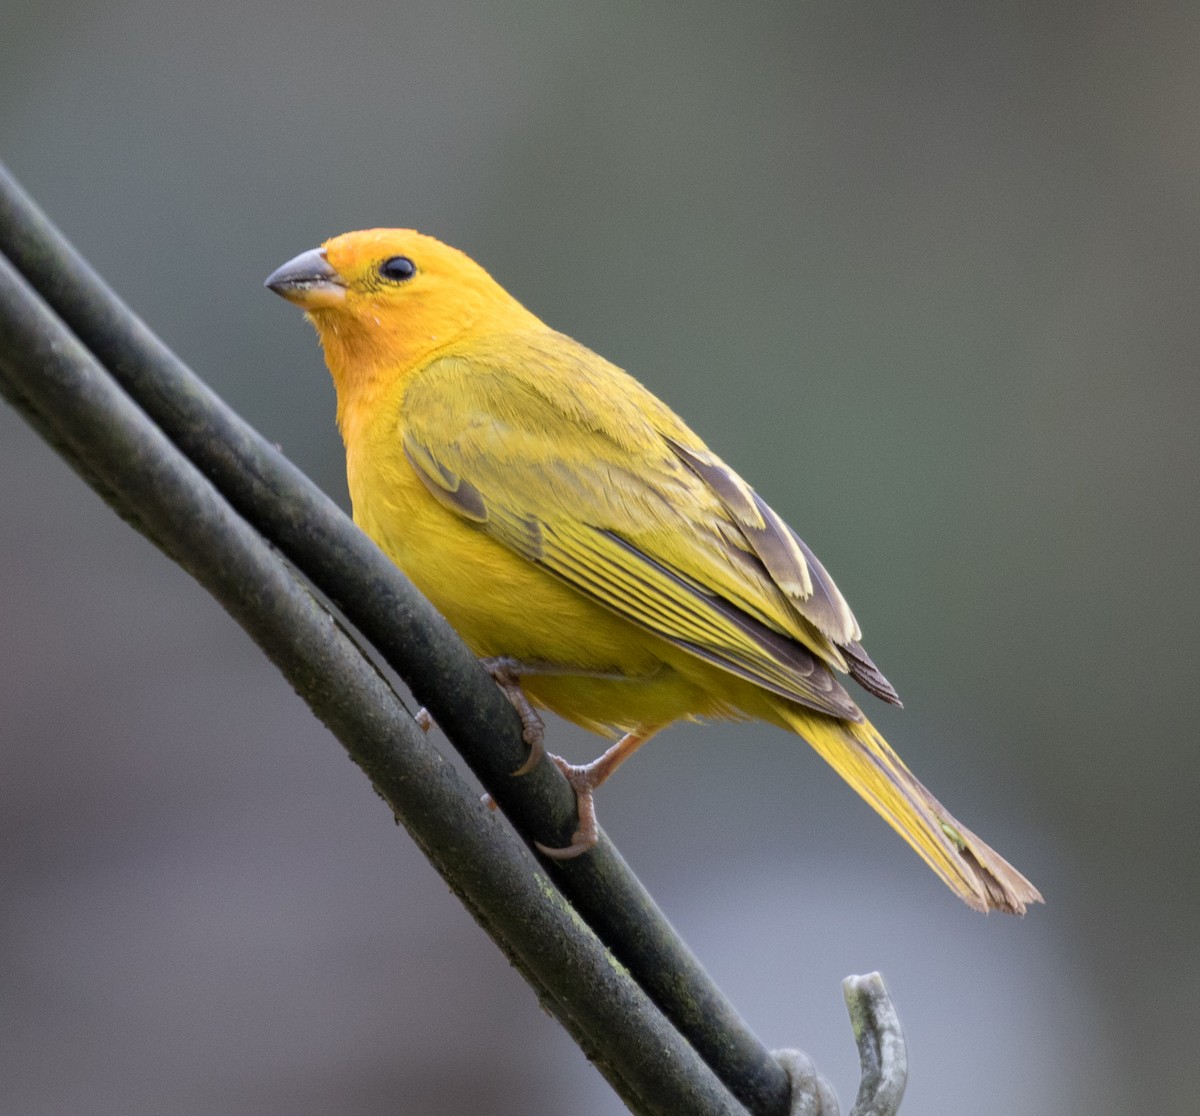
x,y
585,541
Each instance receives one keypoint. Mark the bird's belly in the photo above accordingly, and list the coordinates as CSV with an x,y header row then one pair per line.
x,y
601,671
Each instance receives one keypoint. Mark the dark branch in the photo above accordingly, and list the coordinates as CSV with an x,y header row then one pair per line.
x,y
294,515
59,387
181,467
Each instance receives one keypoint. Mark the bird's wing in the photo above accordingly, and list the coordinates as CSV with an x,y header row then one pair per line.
x,y
576,467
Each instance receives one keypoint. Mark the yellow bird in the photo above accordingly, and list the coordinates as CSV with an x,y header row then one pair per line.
x,y
585,541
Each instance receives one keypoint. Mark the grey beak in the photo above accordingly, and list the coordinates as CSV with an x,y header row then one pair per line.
x,y
307,279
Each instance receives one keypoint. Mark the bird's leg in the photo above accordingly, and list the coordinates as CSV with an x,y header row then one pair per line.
x,y
507,674
584,780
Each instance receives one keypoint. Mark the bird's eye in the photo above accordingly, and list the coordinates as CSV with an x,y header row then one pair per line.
x,y
397,269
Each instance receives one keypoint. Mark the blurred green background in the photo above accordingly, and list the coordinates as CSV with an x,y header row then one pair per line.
x,y
925,274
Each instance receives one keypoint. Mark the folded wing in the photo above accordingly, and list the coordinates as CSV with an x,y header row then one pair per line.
x,y
572,464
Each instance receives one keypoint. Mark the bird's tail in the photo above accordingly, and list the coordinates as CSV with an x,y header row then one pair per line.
x,y
981,877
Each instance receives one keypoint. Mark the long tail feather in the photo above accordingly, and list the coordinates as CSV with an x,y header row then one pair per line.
x,y
979,875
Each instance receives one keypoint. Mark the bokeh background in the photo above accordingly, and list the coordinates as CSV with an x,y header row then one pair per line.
x,y
926,274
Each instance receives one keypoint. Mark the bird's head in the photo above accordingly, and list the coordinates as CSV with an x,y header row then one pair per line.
x,y
384,300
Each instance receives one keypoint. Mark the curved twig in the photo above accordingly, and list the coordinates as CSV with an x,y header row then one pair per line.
x,y
881,1049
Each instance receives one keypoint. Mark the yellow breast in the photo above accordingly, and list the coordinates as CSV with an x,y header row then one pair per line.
x,y
608,673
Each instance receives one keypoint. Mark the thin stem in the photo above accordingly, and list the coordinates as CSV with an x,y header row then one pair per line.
x,y
882,1052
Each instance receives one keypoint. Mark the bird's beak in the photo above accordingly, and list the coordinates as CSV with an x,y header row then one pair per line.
x,y
309,281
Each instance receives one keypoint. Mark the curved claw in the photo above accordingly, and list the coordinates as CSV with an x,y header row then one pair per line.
x,y
577,847
584,781
536,751
506,673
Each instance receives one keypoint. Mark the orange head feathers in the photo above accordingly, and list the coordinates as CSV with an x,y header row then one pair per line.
x,y
394,295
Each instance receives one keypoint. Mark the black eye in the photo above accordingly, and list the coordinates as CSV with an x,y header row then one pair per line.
x,y
397,269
